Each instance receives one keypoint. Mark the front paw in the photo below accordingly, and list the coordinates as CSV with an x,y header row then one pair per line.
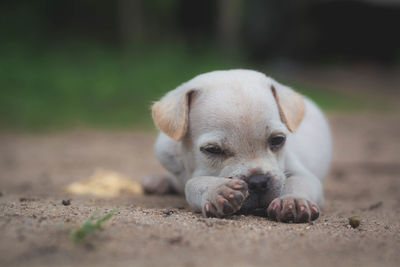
x,y
292,209
225,199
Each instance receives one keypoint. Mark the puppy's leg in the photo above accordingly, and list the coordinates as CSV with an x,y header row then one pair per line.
x,y
168,153
301,195
159,185
215,196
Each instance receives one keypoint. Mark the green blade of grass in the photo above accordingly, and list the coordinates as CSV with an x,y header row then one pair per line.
x,y
89,227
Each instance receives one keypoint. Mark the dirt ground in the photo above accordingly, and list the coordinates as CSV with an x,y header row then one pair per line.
x,y
163,231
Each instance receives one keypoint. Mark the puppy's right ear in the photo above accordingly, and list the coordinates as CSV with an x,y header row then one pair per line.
x,y
171,113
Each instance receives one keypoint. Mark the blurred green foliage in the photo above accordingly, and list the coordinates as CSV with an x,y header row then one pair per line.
x,y
93,86
137,50
84,84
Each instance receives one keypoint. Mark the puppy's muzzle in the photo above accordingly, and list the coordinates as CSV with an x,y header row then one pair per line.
x,y
258,183
262,190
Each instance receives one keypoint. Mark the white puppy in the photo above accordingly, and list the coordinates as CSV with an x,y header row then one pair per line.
x,y
238,141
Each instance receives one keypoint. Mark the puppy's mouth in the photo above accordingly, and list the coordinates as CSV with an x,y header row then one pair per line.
x,y
263,189
257,203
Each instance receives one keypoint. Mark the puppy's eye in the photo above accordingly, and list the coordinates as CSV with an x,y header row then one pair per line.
x,y
276,142
212,149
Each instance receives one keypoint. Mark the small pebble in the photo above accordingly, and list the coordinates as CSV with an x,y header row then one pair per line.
x,y
26,199
354,221
66,202
168,212
175,240
376,205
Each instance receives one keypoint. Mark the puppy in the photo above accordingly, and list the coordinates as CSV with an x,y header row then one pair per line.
x,y
238,141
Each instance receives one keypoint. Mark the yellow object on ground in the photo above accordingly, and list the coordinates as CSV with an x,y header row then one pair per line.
x,y
105,184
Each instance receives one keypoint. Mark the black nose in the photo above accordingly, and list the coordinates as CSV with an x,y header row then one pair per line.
x,y
258,182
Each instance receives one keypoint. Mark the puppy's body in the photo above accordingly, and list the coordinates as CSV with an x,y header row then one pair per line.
x,y
221,144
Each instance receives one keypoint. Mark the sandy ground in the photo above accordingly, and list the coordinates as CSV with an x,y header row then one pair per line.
x,y
162,231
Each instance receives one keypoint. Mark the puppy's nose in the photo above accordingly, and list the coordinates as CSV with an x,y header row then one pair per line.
x,y
258,182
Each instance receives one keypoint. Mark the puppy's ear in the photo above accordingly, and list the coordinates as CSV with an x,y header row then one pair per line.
x,y
290,105
171,113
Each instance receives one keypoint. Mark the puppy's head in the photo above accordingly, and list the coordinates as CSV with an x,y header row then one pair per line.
x,y
233,124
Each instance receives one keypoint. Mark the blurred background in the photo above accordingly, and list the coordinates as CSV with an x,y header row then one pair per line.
x,y
92,63
77,79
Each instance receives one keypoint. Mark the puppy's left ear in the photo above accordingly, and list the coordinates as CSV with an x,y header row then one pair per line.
x,y
290,105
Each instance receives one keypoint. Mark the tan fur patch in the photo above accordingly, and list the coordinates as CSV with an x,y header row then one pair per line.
x,y
291,107
171,114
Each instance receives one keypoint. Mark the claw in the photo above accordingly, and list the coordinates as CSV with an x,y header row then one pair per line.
x,y
239,198
289,209
227,199
227,209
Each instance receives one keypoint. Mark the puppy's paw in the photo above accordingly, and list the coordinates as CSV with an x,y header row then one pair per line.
x,y
292,209
225,199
